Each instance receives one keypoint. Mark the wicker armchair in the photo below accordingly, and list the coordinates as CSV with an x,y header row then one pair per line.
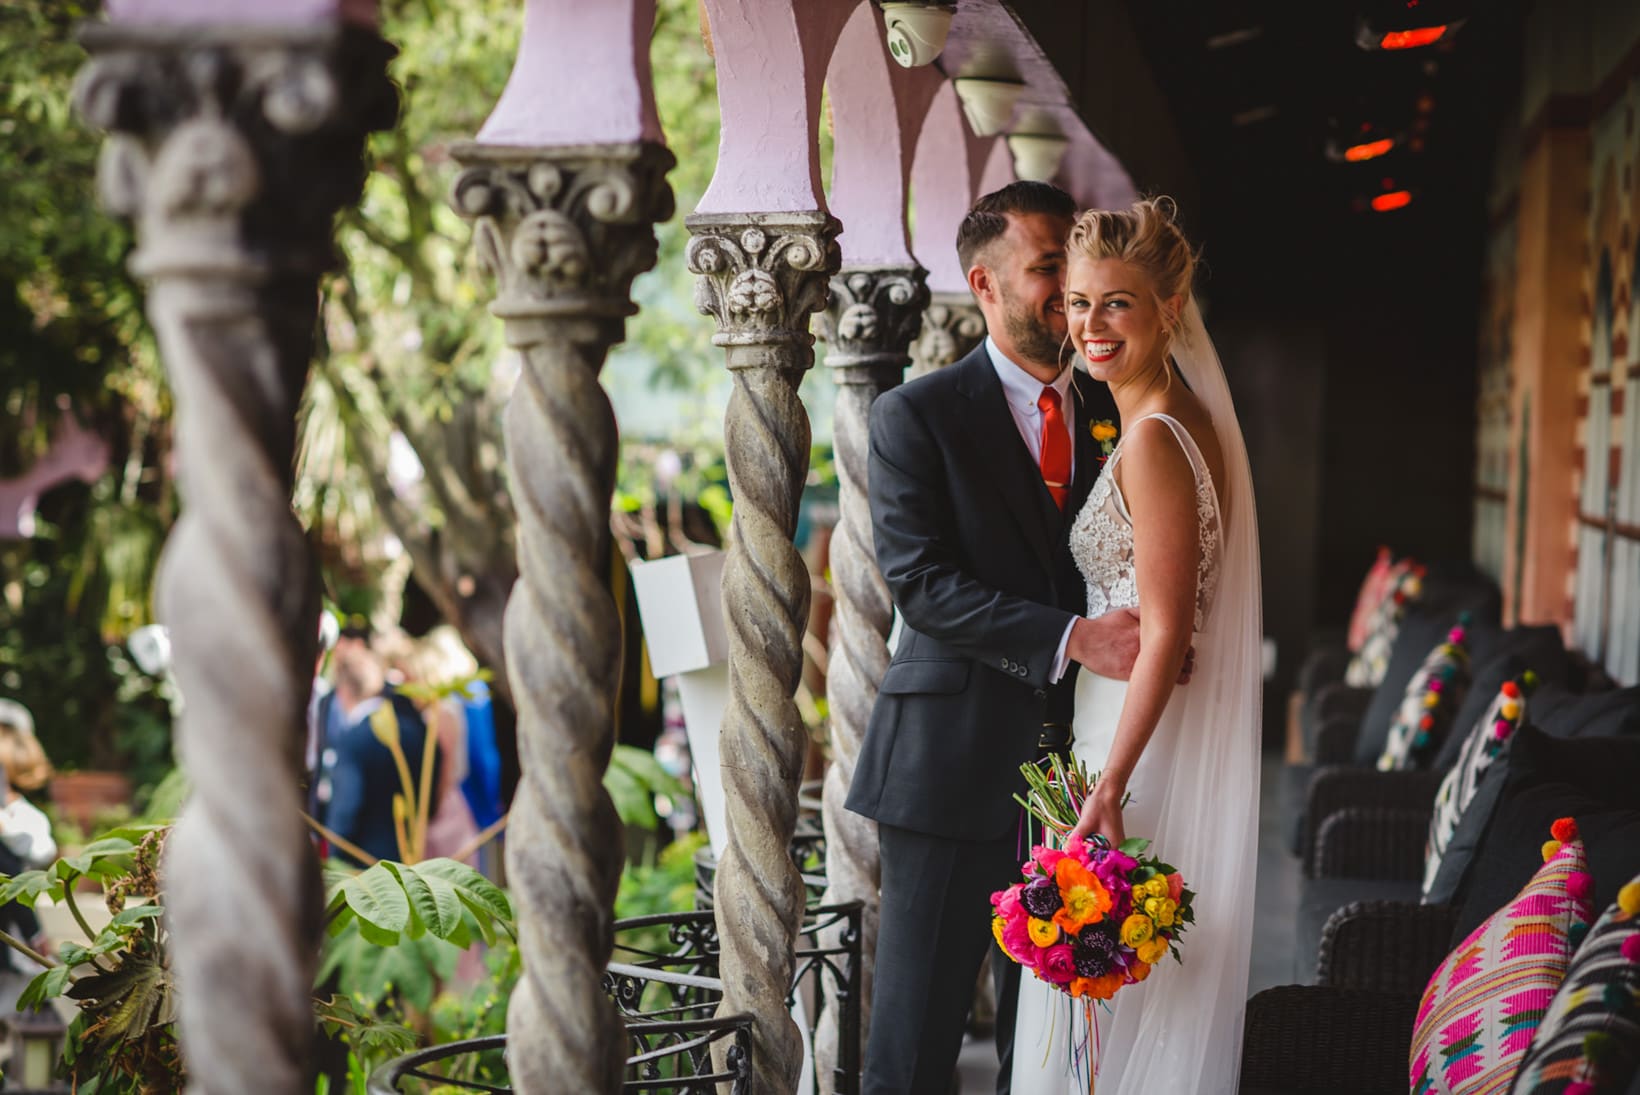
x,y
1301,1039
1400,801
1384,946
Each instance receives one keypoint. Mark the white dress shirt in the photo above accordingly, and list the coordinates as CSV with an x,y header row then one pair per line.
x,y
1022,390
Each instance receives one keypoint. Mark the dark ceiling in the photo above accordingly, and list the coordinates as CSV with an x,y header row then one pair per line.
x,y
1229,104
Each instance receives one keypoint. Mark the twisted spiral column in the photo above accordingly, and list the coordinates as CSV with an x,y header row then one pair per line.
x,y
952,326
761,277
871,319
233,150
564,231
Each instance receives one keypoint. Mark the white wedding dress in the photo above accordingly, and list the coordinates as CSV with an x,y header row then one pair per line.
x,y
1194,794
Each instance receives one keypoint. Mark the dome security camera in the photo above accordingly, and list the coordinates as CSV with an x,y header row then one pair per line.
x,y
916,30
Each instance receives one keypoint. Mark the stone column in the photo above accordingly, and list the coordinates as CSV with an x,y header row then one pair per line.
x,y
761,276
871,319
232,148
563,230
951,327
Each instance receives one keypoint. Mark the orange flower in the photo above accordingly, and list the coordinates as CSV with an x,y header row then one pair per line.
x,y
1102,987
1139,971
1085,897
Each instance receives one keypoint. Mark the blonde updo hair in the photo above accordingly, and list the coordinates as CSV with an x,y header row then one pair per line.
x,y
1145,234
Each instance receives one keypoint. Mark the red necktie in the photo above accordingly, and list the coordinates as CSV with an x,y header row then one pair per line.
x,y
1056,447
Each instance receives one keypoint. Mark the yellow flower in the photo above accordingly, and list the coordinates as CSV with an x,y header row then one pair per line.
x,y
1103,431
1044,933
1169,910
1136,929
1156,887
1153,907
996,932
1509,709
1152,950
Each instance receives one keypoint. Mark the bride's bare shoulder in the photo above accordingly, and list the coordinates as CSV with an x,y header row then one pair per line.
x,y
1188,410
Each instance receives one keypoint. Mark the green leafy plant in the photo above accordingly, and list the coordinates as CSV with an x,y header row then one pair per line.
x,y
123,1040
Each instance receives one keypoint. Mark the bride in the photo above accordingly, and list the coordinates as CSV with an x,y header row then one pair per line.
x,y
1170,525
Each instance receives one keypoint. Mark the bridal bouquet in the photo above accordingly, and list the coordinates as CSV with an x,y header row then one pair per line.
x,y
1088,918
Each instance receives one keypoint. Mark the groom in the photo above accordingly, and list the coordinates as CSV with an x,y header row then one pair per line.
x,y
976,473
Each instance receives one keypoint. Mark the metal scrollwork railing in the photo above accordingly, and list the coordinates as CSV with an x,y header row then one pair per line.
x,y
665,985
674,1057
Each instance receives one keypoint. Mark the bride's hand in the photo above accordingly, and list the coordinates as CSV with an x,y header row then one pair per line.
x,y
1102,814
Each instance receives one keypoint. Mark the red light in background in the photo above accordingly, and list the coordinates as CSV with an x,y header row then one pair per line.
x,y
1411,39
1368,151
1395,199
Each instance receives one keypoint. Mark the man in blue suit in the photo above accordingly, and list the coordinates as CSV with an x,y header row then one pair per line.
x,y
356,776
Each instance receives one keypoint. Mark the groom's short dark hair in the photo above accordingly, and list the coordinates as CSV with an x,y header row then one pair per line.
x,y
988,219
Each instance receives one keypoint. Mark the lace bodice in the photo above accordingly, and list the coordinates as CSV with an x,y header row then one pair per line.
x,y
1102,534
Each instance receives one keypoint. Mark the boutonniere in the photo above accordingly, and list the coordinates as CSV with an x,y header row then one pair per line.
x,y
1104,432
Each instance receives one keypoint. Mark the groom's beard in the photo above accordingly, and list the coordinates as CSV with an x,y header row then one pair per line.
x,y
1034,340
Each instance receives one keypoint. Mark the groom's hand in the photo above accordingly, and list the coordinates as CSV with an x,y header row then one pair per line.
x,y
1109,645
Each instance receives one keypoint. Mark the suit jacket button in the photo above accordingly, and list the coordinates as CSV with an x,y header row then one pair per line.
x,y
1005,663
1041,693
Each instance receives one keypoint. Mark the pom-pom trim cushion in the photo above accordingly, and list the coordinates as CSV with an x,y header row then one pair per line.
x,y
1369,664
1432,699
1380,581
1589,1039
1484,1003
1486,741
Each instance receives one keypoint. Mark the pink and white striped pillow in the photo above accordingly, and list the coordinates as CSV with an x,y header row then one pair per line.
x,y
1485,1002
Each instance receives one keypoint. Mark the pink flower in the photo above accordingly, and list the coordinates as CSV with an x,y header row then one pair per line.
x,y
1047,858
1016,937
1006,902
1077,848
1175,886
1058,964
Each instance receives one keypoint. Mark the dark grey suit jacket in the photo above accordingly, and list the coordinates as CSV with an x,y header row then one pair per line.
x,y
975,554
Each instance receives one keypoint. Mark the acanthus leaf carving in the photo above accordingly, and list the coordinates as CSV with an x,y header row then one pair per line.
x,y
952,326
873,314
564,230
762,276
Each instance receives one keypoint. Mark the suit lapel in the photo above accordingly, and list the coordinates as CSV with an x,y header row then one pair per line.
x,y
991,425
1089,408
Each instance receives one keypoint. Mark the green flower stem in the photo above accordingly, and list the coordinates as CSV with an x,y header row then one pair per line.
x,y
23,948
74,909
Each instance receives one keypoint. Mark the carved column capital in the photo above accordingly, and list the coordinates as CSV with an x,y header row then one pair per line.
x,y
873,314
232,148
952,326
761,276
564,230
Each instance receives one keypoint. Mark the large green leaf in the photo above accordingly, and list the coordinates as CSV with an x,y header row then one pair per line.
x,y
377,898
478,893
48,985
28,886
633,801
434,898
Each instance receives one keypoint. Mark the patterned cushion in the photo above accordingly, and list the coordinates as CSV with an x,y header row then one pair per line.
x,y
1485,742
1431,699
1380,581
1484,1002
1366,668
1590,1039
